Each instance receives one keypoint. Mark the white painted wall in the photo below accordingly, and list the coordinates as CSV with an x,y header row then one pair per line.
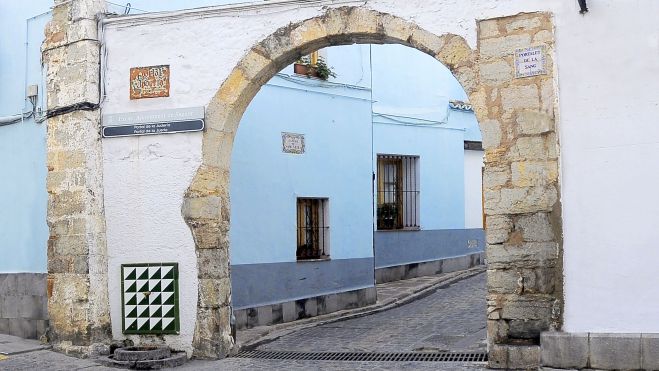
x,y
473,164
607,125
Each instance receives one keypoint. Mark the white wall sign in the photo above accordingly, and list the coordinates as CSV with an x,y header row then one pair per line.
x,y
530,61
166,121
292,143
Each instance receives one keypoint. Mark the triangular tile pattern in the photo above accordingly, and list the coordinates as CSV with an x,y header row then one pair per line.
x,y
150,298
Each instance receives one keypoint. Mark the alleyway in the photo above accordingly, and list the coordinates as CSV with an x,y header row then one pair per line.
x,y
452,318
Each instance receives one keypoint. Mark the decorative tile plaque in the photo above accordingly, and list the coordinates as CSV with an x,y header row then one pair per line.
x,y
530,61
149,82
149,299
292,143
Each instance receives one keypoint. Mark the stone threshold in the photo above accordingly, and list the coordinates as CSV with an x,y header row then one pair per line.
x,y
407,291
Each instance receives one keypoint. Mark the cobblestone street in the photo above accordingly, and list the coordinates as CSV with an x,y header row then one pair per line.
x,y
451,318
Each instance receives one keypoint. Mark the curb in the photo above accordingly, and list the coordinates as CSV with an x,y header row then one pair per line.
x,y
422,291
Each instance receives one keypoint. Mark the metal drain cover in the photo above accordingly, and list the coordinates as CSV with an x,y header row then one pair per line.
x,y
367,357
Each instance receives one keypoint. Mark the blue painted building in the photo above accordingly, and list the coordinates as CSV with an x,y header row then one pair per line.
x,y
311,217
23,197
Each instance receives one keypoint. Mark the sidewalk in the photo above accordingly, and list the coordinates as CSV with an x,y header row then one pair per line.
x,y
390,295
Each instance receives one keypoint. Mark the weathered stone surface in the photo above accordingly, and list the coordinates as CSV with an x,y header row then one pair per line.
x,y
207,207
520,200
496,73
535,227
534,173
498,228
503,46
488,28
456,52
77,259
533,148
491,133
214,293
523,356
528,24
542,37
564,350
615,351
533,122
523,97
527,329
496,176
528,255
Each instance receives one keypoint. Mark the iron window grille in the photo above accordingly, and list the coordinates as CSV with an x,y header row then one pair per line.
x,y
397,192
312,228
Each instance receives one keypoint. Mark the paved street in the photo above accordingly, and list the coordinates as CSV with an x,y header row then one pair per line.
x,y
451,318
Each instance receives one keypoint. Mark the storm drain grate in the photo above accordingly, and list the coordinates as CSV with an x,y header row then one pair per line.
x,y
366,357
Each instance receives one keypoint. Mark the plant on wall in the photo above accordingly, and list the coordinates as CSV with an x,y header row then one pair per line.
x,y
321,70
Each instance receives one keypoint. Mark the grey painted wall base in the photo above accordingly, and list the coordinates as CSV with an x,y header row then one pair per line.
x,y
562,350
394,248
303,308
23,304
262,284
446,265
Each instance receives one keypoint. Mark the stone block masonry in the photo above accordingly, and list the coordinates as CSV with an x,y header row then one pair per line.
x,y
523,223
23,305
77,258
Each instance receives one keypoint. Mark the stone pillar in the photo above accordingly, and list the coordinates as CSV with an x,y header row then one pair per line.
x,y
77,258
523,213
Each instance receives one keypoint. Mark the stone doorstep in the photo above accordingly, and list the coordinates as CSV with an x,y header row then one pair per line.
x,y
261,335
603,351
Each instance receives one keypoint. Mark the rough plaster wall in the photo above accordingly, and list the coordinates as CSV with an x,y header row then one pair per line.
x,y
203,50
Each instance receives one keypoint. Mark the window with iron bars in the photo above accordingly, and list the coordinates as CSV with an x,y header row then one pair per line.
x,y
312,228
397,192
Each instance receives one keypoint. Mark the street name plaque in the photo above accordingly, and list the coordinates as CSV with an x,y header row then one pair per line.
x,y
178,120
530,61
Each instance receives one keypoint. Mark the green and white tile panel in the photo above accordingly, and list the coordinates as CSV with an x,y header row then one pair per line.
x,y
150,298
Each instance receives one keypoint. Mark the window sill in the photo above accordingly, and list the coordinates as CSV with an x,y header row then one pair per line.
x,y
409,229
322,259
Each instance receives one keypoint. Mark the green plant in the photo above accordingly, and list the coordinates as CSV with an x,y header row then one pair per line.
x,y
387,216
320,69
323,70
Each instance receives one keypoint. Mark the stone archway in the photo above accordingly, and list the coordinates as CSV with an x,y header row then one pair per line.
x,y
521,172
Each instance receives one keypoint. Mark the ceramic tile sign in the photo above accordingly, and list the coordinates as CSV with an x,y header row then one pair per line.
x,y
149,82
167,121
530,61
149,299
292,143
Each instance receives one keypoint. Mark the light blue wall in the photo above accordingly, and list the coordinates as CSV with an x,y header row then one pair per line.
x,y
440,166
265,182
23,197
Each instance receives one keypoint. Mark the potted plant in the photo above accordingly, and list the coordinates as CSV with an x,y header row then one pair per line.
x,y
387,216
320,70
